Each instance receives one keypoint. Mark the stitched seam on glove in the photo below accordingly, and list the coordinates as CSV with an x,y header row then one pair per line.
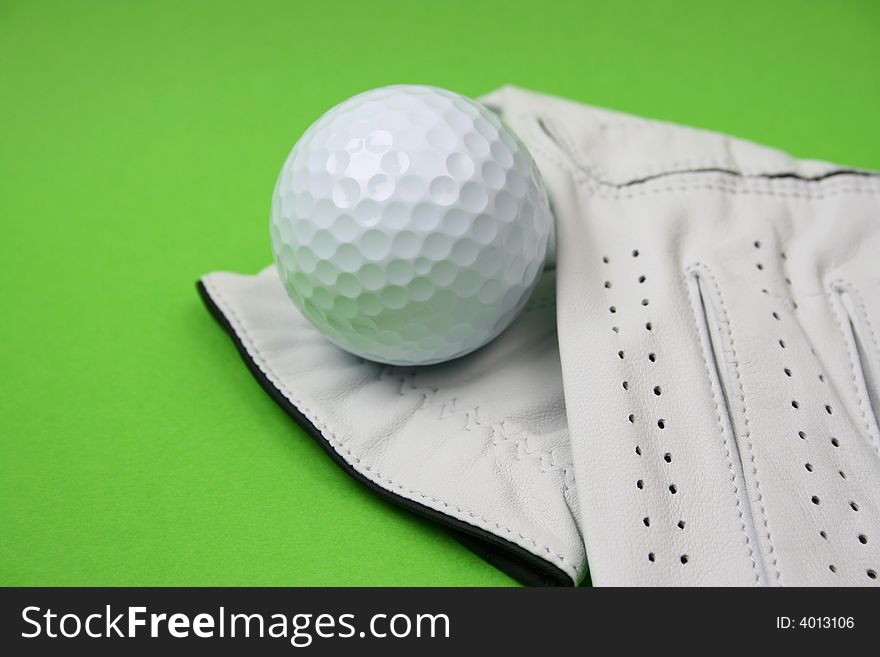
x,y
447,408
725,430
725,329
553,131
836,289
733,183
543,459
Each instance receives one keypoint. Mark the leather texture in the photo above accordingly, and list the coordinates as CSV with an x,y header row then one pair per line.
x,y
709,413
718,308
480,443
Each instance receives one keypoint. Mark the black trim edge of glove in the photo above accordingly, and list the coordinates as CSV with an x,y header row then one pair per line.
x,y
511,559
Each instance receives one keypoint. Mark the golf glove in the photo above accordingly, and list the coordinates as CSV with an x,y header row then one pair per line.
x,y
709,416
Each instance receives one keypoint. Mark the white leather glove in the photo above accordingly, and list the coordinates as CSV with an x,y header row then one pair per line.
x,y
718,309
479,444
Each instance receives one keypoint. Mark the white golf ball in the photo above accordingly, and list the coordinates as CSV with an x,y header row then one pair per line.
x,y
409,225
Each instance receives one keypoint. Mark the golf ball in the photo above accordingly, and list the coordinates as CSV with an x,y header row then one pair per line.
x,y
409,225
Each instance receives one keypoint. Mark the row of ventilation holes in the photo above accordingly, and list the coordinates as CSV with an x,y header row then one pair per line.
x,y
862,538
657,390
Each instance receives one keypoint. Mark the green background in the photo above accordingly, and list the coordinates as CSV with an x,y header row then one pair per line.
x,y
139,144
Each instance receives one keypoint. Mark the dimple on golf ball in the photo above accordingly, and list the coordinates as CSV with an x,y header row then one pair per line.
x,y
409,225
